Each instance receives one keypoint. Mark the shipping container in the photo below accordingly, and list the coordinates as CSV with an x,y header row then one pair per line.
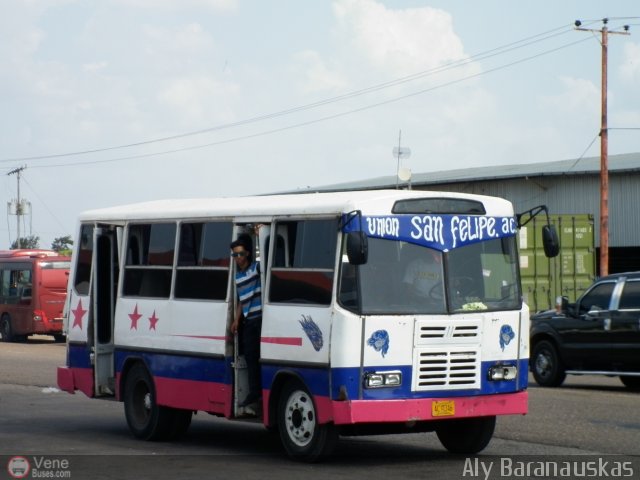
x,y
570,273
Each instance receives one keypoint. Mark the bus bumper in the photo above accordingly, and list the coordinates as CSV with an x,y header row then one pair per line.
x,y
72,379
428,409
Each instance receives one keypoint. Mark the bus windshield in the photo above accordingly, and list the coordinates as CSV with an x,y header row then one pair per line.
x,y
55,274
403,278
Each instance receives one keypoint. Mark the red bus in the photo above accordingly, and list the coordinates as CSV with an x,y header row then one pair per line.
x,y
33,289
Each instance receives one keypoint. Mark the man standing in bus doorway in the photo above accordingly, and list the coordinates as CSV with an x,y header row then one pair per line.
x,y
248,316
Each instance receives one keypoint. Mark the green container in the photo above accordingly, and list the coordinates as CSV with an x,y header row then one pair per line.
x,y
570,273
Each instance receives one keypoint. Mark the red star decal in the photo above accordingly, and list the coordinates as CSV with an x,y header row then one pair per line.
x,y
135,316
152,321
78,313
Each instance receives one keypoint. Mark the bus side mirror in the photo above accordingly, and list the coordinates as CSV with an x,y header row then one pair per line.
x,y
357,248
550,241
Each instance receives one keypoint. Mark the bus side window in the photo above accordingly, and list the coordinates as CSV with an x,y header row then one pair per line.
x,y
133,252
202,272
83,263
188,250
311,250
4,283
25,294
152,245
348,286
280,253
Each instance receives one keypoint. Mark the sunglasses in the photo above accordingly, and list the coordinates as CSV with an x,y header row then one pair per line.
x,y
239,254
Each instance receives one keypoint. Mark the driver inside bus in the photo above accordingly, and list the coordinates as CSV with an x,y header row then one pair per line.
x,y
423,276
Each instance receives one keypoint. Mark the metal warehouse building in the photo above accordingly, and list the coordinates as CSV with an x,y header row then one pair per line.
x,y
569,187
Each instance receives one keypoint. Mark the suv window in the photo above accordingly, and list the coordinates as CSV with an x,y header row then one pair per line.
x,y
630,296
599,297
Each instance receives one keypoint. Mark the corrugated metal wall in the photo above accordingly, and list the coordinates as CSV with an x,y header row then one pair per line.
x,y
569,194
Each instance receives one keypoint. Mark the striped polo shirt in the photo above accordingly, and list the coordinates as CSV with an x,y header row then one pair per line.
x,y
249,291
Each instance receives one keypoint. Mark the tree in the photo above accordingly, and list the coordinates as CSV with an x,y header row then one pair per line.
x,y
30,242
62,245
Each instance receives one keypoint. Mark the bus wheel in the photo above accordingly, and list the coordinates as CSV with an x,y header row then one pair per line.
x,y
5,329
146,419
301,435
466,436
547,368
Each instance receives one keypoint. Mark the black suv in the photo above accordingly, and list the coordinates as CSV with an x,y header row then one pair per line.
x,y
599,334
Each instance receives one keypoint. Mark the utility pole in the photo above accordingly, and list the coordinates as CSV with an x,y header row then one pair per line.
x,y
19,212
604,144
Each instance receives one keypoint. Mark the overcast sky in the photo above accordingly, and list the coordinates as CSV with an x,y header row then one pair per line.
x,y
119,101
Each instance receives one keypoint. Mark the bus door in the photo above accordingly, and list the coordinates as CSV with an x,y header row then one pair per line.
x,y
240,372
106,271
18,285
299,276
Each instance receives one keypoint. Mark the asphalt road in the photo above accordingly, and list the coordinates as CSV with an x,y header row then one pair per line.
x,y
589,416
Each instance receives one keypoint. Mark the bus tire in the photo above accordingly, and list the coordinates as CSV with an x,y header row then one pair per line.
x,y
145,418
5,329
301,435
547,367
466,436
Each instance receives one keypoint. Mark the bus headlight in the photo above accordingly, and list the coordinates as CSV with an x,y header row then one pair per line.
x,y
503,372
382,379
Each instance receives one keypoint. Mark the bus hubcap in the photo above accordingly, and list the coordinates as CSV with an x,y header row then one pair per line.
x,y
300,418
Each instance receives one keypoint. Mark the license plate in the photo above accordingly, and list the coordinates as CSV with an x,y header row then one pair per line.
x,y
443,408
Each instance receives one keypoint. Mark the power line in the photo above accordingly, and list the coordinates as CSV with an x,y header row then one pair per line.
x,y
317,120
584,153
527,41
44,204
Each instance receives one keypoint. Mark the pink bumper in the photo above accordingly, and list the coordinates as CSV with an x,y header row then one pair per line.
x,y
377,411
72,379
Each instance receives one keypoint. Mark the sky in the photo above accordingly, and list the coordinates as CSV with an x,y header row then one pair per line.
x,y
121,101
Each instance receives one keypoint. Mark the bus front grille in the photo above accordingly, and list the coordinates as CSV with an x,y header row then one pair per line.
x,y
430,332
446,369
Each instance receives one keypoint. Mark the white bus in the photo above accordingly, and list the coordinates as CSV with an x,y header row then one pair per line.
x,y
383,311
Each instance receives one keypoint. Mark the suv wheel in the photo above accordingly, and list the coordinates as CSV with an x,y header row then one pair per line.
x,y
631,382
547,368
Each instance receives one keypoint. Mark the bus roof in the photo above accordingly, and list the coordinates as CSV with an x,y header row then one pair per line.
x,y
371,202
31,253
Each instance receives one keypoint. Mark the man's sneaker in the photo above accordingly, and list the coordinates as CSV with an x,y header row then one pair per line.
x,y
251,410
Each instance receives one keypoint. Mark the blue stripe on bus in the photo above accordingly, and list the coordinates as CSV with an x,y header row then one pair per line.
x,y
79,356
178,366
347,380
317,380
